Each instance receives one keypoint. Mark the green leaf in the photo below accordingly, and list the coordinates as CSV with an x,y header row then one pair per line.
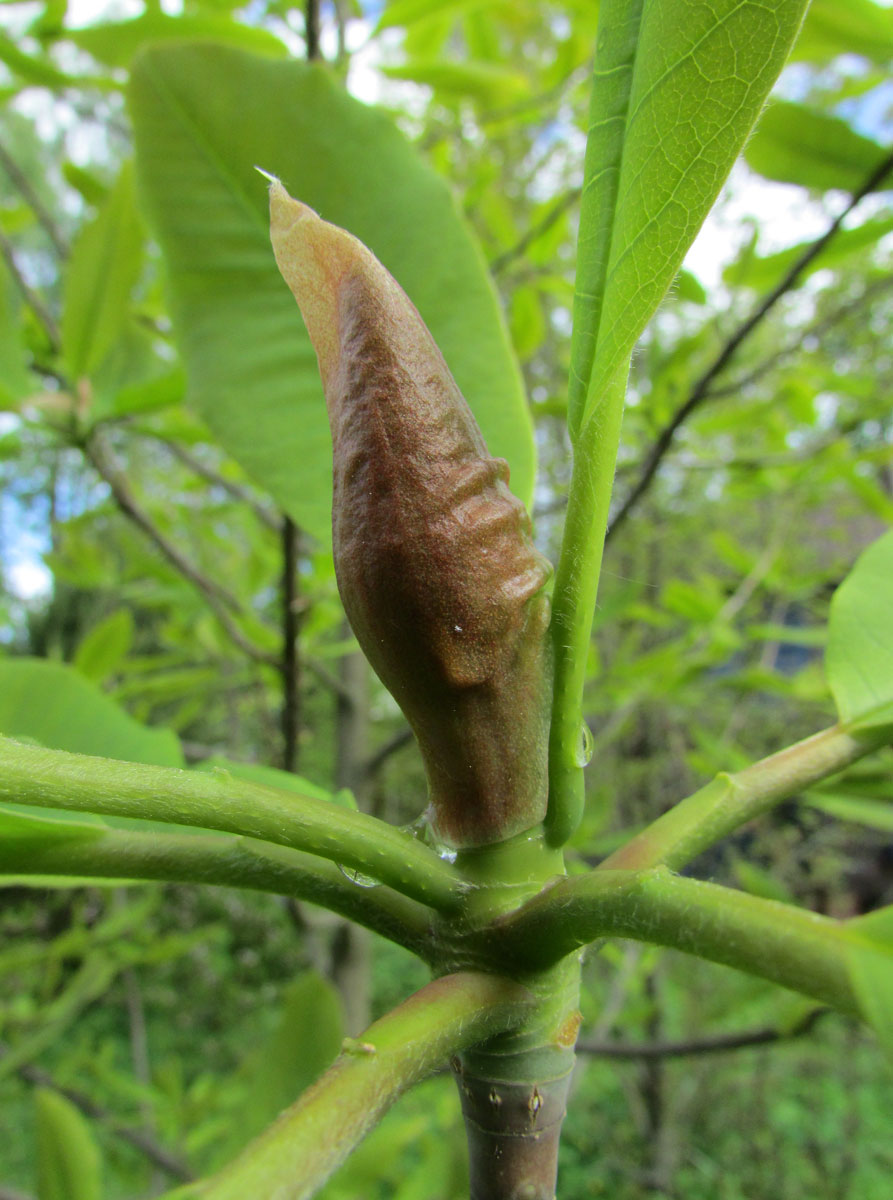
x,y
305,1043
91,188
104,267
116,42
856,27
407,12
874,814
32,70
859,659
53,704
485,82
870,965
676,90
763,272
100,652
69,1165
203,116
797,144
24,825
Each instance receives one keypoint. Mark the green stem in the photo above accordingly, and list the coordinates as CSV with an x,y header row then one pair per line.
x,y
728,801
52,778
790,946
230,861
310,1139
573,606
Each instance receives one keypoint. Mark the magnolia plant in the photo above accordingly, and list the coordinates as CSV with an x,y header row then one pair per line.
x,y
457,612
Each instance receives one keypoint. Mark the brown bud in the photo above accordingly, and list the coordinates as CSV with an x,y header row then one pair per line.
x,y
437,572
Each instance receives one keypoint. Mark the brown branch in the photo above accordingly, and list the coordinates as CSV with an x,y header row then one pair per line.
x,y
536,231
137,1138
719,1044
220,601
700,391
311,29
31,298
291,662
22,184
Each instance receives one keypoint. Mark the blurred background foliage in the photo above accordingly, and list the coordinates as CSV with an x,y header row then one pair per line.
x,y
156,562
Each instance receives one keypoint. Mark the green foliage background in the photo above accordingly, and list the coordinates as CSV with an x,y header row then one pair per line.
x,y
151,471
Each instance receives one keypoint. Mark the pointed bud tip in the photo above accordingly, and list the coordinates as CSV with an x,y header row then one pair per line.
x,y
285,211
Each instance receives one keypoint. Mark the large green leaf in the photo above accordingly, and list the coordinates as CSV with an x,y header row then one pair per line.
x,y
678,85
204,115
103,269
797,144
69,1166
859,658
54,704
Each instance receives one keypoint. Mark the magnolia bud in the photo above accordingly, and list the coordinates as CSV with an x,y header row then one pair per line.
x,y
439,577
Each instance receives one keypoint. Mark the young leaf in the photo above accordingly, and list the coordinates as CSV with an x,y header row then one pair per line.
x,y
100,652
104,266
69,1165
676,90
764,271
252,370
859,659
797,144
305,1043
677,87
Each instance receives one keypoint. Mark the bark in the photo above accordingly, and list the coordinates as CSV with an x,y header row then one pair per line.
x,y
513,1131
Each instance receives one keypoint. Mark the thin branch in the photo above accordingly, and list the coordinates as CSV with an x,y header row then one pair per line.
x,y
236,490
731,800
328,679
53,778
221,601
786,945
31,298
137,1138
720,1044
795,345
536,231
22,184
292,1158
311,29
701,390
376,761
291,661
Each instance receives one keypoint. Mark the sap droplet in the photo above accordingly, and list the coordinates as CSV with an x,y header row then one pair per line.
x,y
357,877
583,752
